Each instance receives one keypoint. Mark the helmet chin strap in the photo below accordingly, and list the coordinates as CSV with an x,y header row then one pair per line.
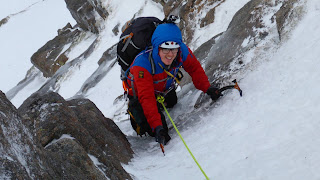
x,y
167,67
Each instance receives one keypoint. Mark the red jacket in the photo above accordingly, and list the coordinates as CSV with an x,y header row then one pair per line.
x,y
147,85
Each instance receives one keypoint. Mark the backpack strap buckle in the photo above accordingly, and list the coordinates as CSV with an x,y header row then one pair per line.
x,y
127,39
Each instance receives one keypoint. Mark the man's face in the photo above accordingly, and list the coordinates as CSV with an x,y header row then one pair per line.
x,y
168,55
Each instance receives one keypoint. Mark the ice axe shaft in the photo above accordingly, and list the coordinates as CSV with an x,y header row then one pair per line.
x,y
162,148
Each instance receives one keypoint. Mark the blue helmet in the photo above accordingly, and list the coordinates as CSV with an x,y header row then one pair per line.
x,y
164,33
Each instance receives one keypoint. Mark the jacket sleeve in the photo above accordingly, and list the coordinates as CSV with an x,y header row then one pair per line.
x,y
143,81
194,69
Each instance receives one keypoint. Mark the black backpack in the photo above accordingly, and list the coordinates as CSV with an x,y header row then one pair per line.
x,y
135,38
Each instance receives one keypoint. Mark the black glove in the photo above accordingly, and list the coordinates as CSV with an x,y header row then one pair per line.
x,y
161,135
213,92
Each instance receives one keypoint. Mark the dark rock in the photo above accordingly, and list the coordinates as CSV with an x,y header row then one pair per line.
x,y
4,20
162,2
285,14
50,138
104,67
20,158
99,8
203,51
229,46
209,18
248,23
49,58
73,161
84,12
12,169
115,30
50,117
188,12
53,82
109,54
104,131
65,29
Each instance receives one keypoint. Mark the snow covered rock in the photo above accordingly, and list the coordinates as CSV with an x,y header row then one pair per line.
x,y
50,138
50,57
4,21
192,13
51,118
256,27
19,156
289,14
258,23
87,13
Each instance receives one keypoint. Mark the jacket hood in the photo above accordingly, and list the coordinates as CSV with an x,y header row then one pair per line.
x,y
167,32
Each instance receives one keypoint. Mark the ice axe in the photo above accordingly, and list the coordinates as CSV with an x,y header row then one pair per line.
x,y
162,148
235,86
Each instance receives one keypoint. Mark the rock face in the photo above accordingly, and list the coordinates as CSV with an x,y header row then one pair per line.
x,y
229,45
222,56
221,50
288,13
4,20
109,54
189,12
247,24
87,13
50,138
49,58
18,153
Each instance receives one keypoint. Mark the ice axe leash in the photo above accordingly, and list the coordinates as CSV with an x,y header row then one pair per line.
x,y
160,99
235,86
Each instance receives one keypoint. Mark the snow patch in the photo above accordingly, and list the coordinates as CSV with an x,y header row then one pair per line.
x,y
3,114
98,165
245,42
64,136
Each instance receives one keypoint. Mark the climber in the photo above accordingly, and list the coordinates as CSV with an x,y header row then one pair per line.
x,y
156,71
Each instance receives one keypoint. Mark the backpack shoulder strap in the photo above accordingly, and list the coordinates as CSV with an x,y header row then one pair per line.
x,y
153,68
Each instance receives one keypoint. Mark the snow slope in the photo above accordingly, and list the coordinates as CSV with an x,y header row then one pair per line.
x,y
269,133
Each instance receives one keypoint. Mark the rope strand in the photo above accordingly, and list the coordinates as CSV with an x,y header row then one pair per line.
x,y
160,99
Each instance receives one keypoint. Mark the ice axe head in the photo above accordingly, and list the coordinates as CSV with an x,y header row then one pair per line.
x,y
236,86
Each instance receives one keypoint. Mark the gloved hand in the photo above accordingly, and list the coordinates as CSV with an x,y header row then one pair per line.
x,y
161,135
214,93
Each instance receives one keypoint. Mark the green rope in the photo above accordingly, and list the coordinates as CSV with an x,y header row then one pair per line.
x,y
160,99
